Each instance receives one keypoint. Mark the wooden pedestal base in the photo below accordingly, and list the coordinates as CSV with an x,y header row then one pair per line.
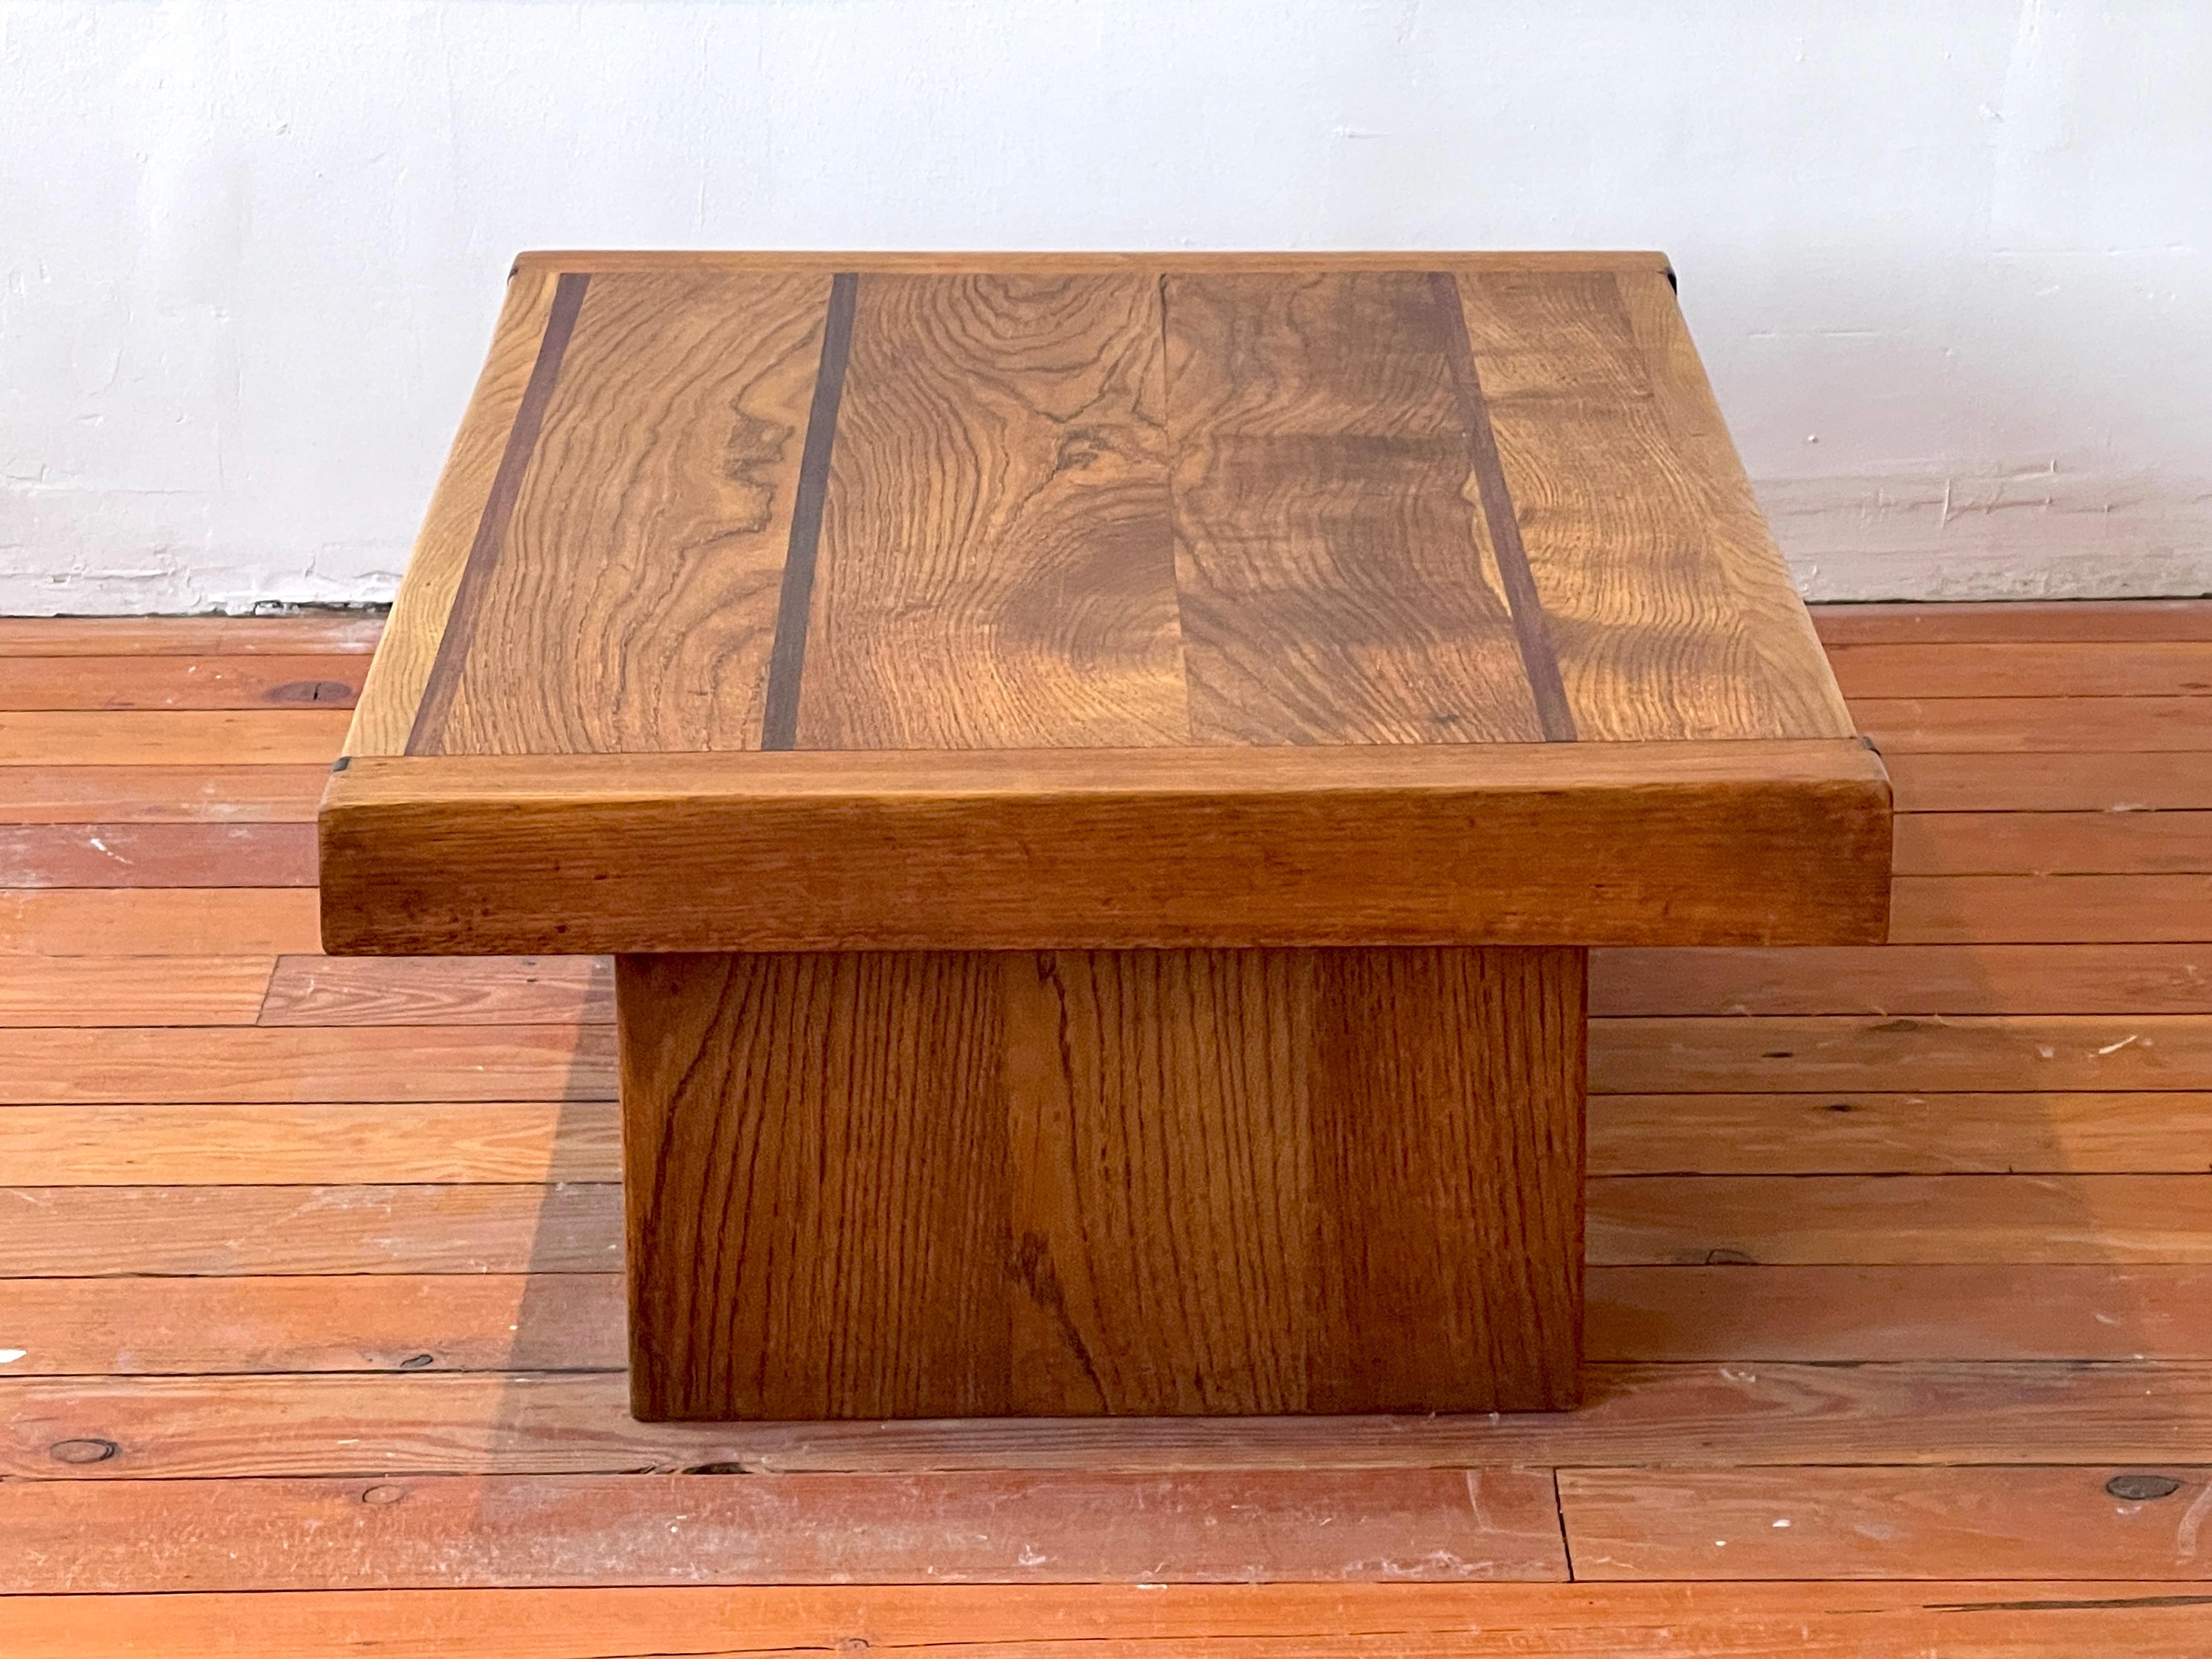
x,y
1127,1181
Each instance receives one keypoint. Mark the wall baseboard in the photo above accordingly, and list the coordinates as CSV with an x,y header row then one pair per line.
x,y
2029,535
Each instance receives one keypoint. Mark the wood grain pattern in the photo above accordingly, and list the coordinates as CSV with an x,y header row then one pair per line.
x,y
794,604
2058,909
1449,1134
1958,1619
2052,843
180,1144
2000,1051
157,855
995,568
440,991
1500,521
157,921
574,1323
1905,1327
458,635
564,1424
392,695
1854,1131
149,681
2017,669
1101,505
2021,621
227,990
2000,1311
1750,573
1929,726
816,1223
1879,1523
312,634
577,1226
2082,782
1269,1181
1439,1525
49,1231
161,794
1668,606
169,738
2085,1220
1162,1221
1331,580
1110,849
631,602
243,1063
1180,1183
1906,979
349,1321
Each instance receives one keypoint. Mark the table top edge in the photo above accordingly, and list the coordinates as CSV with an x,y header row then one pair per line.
x,y
597,260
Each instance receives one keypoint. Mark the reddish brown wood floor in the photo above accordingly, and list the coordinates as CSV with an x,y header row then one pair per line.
x,y
1902,1334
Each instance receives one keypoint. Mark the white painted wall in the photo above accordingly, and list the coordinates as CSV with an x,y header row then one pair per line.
x,y
1948,258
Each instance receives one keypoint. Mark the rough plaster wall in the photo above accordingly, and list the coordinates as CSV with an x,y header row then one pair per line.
x,y
1947,258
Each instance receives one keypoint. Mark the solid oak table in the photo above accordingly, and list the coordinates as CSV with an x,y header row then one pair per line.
x,y
1099,774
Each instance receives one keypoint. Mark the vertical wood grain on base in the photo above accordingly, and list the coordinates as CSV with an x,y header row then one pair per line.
x,y
813,1177
1085,1183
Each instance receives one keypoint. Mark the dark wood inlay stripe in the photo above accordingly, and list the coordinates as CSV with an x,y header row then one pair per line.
x,y
499,506
1537,659
787,659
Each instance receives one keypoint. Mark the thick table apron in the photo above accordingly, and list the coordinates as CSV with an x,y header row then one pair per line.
x,y
1069,1182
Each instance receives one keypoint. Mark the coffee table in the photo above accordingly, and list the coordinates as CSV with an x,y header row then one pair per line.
x,y
1099,774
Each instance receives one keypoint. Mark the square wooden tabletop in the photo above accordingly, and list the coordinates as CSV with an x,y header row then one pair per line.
x,y
848,592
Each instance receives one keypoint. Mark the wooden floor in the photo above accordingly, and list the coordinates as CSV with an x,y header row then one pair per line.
x,y
1901,1319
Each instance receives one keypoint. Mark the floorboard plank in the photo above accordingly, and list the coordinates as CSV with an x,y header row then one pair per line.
x,y
157,855
1995,1311
159,921
234,1065
1800,1053
1905,979
1855,1132
288,737
440,991
312,635
1785,1523
2078,782
50,1231
1876,1220
2053,843
132,990
161,794
2022,668
2010,620
343,1323
1931,1619
137,1429
323,1143
1905,726
1313,1525
325,681
2050,910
